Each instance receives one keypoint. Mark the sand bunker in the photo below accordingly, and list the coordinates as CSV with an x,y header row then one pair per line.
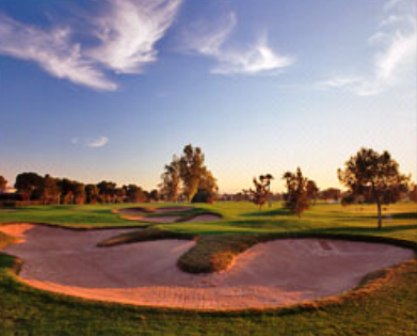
x,y
139,215
272,274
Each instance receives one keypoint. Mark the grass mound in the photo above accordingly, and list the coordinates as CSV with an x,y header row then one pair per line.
x,y
215,253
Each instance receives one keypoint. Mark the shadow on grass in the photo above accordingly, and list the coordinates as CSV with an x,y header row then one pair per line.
x,y
362,230
268,213
405,215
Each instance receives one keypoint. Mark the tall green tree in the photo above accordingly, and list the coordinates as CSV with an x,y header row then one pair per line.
x,y
170,186
374,177
191,170
187,173
3,184
296,198
262,192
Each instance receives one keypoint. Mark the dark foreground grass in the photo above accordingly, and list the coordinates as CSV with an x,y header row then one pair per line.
x,y
386,310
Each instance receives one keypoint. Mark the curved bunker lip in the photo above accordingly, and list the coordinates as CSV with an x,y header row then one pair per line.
x,y
139,214
273,274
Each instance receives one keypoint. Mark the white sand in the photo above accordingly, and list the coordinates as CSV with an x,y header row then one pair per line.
x,y
272,274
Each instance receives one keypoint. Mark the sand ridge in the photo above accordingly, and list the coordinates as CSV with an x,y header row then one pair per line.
x,y
272,274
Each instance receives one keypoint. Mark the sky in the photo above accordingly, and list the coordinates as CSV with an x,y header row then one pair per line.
x,y
112,89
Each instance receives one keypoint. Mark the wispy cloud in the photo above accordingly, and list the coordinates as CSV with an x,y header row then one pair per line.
x,y
53,51
255,59
91,142
126,31
396,56
129,31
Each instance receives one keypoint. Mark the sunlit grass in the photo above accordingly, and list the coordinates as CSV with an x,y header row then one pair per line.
x,y
389,310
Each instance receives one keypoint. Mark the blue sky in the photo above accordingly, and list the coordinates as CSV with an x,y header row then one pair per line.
x,y
112,89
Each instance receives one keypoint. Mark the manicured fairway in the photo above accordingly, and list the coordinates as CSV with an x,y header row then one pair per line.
x,y
387,310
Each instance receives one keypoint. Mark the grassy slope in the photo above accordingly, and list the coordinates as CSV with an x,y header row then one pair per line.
x,y
389,310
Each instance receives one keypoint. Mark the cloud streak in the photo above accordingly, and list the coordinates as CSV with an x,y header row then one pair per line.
x,y
129,31
126,32
394,61
91,142
256,59
53,51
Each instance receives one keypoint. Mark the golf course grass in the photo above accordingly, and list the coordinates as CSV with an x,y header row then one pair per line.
x,y
387,309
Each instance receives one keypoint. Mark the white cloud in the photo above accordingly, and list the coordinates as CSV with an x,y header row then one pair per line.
x,y
127,32
255,59
91,142
393,63
53,51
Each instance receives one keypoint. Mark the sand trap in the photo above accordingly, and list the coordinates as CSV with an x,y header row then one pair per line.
x,y
204,218
272,274
137,214
172,209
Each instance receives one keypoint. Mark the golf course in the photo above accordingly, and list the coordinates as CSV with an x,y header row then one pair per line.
x,y
208,168
378,303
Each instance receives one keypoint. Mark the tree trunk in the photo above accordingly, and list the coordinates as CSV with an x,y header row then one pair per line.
x,y
378,204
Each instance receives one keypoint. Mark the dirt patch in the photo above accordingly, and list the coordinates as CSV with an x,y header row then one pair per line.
x,y
273,274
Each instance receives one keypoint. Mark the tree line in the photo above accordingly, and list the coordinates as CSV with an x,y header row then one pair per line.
x,y
32,187
370,177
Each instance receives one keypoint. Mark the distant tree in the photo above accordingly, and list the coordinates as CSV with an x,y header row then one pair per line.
x,y
374,177
202,196
296,198
171,181
107,191
91,194
67,192
413,193
312,191
262,192
135,194
72,192
29,185
330,194
153,196
79,192
3,184
50,191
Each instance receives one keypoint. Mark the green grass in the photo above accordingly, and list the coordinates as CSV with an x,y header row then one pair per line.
x,y
387,310
86,216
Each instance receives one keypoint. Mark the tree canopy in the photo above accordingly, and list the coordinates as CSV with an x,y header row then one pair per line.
x,y
300,192
374,177
186,175
262,192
